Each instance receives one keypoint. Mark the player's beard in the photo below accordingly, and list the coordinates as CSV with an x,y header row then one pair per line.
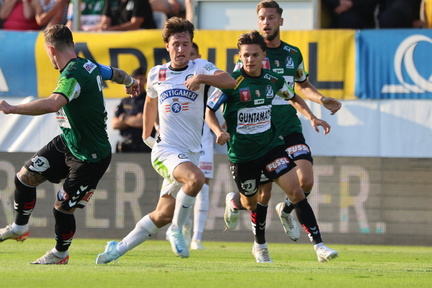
x,y
271,37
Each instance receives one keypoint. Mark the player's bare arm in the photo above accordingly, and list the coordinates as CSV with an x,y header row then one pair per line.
x,y
221,136
300,105
37,107
219,79
311,93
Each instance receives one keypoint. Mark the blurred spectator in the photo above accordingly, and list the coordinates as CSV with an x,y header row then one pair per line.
x,y
426,13
91,14
351,14
1,21
19,15
123,15
50,12
399,14
169,7
128,118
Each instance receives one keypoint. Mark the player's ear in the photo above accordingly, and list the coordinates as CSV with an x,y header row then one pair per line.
x,y
281,21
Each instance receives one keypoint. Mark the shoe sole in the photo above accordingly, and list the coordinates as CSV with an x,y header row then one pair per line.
x,y
21,238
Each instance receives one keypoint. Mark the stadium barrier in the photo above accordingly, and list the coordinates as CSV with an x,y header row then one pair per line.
x,y
356,201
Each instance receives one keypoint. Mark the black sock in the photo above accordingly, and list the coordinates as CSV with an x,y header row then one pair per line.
x,y
25,199
65,227
306,217
258,218
289,207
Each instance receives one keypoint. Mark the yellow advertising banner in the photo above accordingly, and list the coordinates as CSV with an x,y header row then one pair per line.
x,y
329,55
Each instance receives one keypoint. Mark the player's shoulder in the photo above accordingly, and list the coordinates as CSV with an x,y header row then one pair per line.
x,y
200,63
288,48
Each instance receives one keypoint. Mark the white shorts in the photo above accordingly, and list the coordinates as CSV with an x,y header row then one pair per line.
x,y
165,159
207,154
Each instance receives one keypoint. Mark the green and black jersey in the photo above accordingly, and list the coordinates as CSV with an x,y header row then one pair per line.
x,y
248,114
83,118
286,60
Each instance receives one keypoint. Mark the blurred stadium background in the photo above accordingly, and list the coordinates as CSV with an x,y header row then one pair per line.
x,y
373,172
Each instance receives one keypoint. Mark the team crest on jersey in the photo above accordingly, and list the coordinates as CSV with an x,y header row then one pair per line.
x,y
162,74
277,63
189,76
269,91
245,94
289,63
257,93
266,63
176,106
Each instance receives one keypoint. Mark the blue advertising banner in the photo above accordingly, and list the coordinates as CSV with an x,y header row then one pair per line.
x,y
17,64
394,65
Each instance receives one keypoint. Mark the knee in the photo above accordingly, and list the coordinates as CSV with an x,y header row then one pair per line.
x,y
306,185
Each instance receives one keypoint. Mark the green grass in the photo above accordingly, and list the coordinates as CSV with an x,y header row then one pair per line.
x,y
221,264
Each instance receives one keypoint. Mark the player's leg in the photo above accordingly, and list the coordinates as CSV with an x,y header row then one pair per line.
x,y
201,210
77,190
300,152
144,228
290,185
40,167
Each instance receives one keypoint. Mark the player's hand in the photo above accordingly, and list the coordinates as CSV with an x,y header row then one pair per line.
x,y
193,83
133,90
222,138
332,105
318,122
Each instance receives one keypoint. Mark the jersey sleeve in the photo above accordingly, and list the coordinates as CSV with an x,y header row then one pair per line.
x,y
69,87
216,99
206,67
152,79
301,74
286,92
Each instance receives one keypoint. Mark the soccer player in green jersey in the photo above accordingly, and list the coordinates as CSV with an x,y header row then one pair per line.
x,y
286,60
80,155
254,145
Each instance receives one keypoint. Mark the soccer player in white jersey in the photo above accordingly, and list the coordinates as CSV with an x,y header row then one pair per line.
x,y
176,94
202,203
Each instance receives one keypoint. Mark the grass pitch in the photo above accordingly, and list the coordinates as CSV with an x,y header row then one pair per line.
x,y
221,265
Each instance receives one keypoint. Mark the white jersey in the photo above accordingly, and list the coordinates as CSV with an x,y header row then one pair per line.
x,y
181,111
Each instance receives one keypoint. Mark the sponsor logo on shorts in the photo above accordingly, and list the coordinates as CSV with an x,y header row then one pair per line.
x,y
62,196
278,164
249,187
296,150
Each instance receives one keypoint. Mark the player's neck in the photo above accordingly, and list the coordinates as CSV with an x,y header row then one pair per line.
x,y
274,43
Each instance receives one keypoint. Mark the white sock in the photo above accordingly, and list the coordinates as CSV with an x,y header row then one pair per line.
x,y
260,246
182,209
60,254
316,246
20,229
143,230
201,209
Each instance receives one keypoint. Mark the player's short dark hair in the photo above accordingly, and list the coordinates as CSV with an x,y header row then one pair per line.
x,y
139,71
253,37
195,46
59,36
269,4
177,25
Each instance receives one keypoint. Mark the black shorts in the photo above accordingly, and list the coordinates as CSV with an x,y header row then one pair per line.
x,y
247,175
296,147
55,162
